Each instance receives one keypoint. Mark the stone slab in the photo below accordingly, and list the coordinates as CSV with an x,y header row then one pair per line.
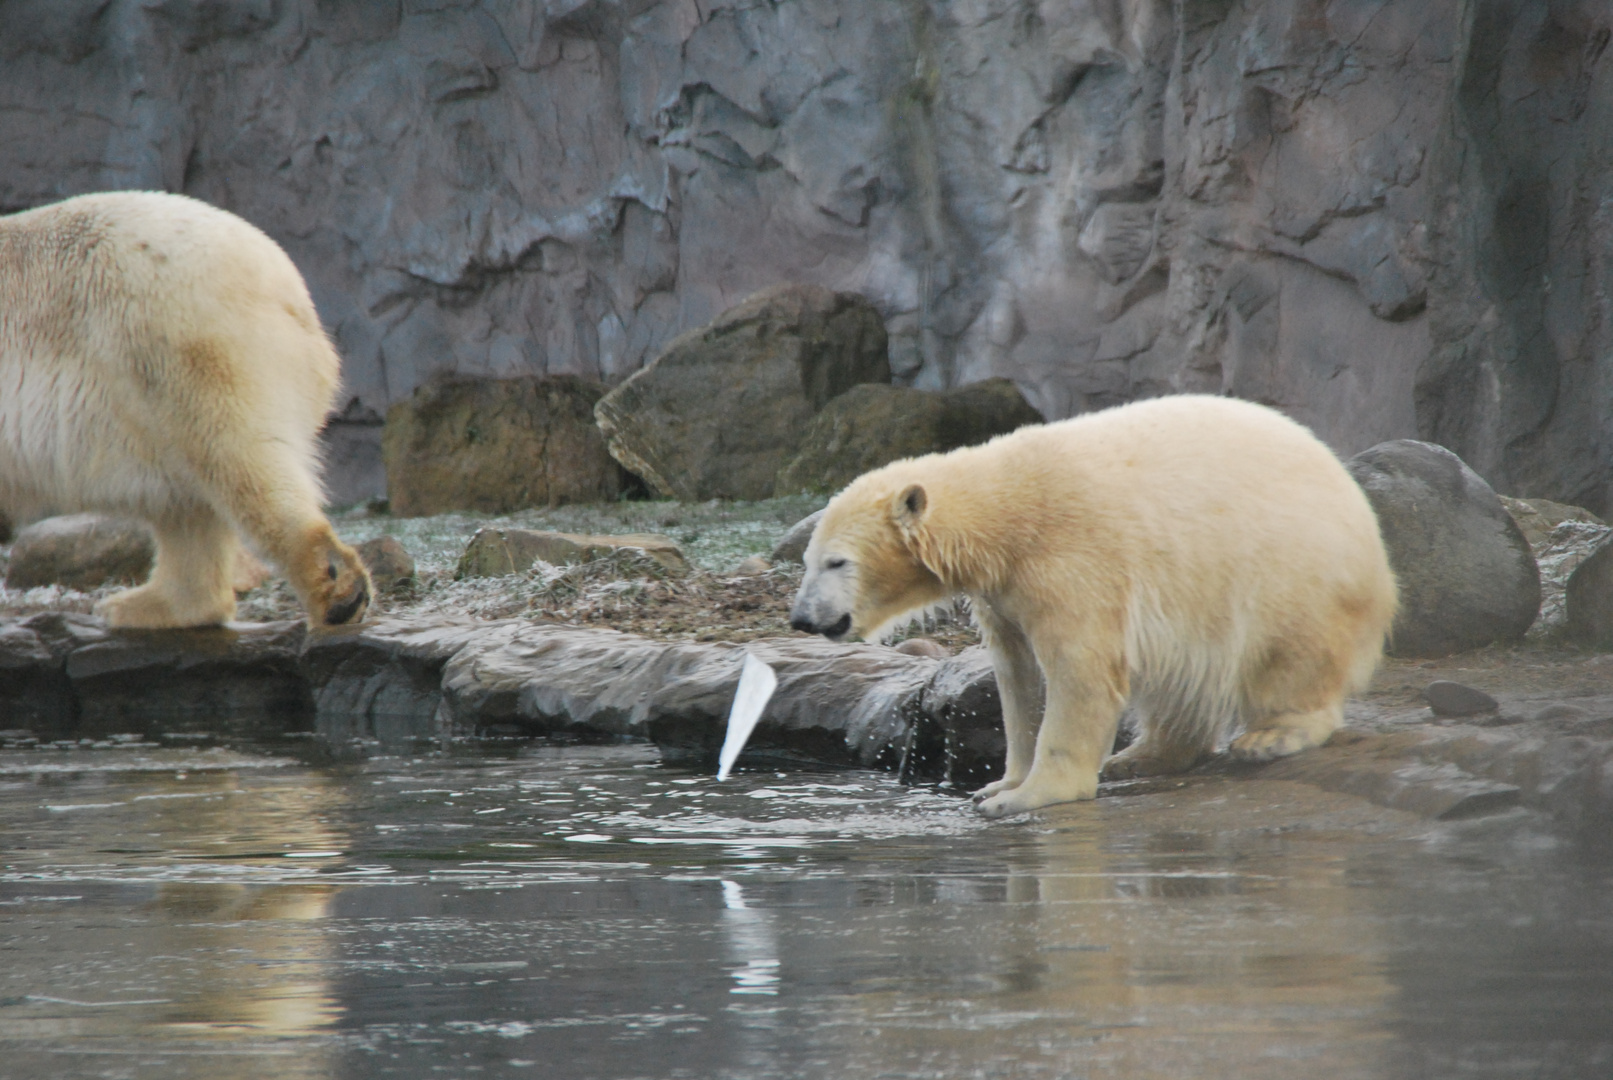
x,y
245,678
399,681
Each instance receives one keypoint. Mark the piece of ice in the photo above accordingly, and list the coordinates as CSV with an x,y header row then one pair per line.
x,y
757,681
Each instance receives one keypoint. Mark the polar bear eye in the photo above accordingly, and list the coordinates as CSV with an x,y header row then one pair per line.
x,y
834,562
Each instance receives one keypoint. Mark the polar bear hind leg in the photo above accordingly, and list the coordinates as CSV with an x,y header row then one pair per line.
x,y
273,498
191,583
1287,733
1294,698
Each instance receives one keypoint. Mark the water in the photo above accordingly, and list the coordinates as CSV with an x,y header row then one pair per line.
x,y
587,912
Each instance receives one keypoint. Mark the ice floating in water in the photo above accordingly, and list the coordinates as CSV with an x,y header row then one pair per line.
x,y
757,681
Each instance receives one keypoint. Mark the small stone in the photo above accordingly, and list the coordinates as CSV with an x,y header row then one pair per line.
x,y
1560,710
389,562
752,566
923,646
495,552
1453,699
81,551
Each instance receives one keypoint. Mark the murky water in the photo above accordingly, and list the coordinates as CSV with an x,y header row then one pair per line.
x,y
588,912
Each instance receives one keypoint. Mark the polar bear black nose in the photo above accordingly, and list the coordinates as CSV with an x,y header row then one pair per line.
x,y
803,624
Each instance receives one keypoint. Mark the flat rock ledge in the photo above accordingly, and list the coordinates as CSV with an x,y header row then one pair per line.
x,y
398,683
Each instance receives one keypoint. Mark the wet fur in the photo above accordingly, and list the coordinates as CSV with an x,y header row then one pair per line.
x,y
1205,559
161,359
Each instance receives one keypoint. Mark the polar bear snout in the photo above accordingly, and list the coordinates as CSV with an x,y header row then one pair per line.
x,y
818,609
833,631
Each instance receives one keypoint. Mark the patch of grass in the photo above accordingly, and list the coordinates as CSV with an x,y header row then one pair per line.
x,y
623,591
714,536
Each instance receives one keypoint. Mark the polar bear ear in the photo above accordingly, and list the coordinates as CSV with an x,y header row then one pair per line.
x,y
910,505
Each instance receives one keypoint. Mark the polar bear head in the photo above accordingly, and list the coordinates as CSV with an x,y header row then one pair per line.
x,y
864,565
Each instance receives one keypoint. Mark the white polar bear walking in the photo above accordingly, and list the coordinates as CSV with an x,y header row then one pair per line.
x,y
1206,559
161,359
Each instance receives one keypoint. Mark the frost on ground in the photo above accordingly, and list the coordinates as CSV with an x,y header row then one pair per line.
x,y
624,591
1569,544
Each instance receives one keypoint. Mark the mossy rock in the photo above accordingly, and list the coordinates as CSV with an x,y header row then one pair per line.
x,y
872,425
717,414
497,446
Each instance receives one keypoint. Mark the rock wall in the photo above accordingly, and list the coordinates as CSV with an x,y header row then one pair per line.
x,y
1391,218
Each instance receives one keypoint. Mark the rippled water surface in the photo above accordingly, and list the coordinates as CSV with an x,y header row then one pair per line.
x,y
589,912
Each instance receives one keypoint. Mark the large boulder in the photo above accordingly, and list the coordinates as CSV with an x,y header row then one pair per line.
x,y
791,547
81,551
1467,576
873,425
723,408
1590,600
497,445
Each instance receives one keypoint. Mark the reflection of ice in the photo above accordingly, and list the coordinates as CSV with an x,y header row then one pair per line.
x,y
751,941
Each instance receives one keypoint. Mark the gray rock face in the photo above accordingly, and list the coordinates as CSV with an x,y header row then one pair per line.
x,y
965,742
873,425
497,445
81,551
720,411
241,680
1384,218
1467,577
383,680
35,693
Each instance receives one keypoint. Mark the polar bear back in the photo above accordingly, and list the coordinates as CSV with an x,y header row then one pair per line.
x,y
1209,522
135,325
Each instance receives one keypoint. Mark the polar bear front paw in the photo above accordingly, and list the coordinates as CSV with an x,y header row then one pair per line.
x,y
994,788
340,594
1033,796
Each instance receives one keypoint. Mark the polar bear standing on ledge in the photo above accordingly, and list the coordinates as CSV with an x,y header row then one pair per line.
x,y
1206,559
161,359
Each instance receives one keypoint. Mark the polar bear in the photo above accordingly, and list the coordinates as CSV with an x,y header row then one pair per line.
x,y
1206,559
161,359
